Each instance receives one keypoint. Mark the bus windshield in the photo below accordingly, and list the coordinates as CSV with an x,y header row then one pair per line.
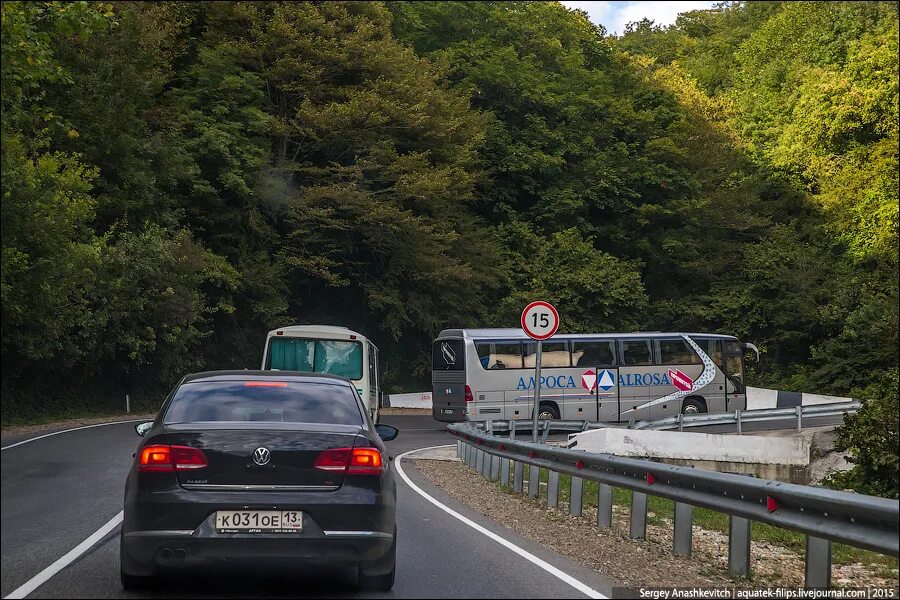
x,y
335,357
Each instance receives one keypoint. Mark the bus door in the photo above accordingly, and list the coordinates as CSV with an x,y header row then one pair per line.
x,y
636,370
599,376
733,366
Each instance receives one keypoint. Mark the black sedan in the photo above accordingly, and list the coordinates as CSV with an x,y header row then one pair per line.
x,y
248,466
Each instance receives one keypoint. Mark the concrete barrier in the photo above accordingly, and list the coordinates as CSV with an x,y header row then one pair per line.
x,y
765,398
782,459
414,400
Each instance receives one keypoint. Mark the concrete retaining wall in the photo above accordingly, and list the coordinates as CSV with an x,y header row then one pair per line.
x,y
414,400
781,459
758,398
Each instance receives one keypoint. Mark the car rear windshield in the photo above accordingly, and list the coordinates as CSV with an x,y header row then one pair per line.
x,y
269,401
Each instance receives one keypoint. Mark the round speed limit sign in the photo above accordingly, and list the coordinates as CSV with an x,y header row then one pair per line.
x,y
540,320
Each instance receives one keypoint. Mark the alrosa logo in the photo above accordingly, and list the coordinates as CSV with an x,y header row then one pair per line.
x,y
567,381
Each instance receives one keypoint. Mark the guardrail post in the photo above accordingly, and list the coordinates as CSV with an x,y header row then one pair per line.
x,y
818,563
546,432
738,546
680,420
495,468
638,528
576,496
518,475
534,481
485,463
737,421
467,454
604,505
552,488
504,472
799,418
684,521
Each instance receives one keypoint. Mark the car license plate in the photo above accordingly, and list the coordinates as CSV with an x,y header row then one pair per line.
x,y
259,521
448,411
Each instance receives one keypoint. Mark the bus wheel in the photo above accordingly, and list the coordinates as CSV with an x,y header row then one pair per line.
x,y
548,412
693,406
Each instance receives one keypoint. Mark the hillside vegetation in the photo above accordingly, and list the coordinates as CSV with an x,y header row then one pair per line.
x,y
179,178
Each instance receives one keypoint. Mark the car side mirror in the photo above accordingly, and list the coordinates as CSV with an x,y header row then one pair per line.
x,y
143,428
386,432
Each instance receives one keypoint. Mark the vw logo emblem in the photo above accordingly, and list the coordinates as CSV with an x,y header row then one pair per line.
x,y
261,456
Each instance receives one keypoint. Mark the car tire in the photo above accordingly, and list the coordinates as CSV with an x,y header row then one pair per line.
x,y
382,582
137,582
693,406
129,581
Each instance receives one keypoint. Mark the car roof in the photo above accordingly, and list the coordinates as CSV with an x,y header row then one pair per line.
x,y
246,374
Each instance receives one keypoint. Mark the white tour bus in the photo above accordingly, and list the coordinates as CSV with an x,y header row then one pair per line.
x,y
482,374
327,349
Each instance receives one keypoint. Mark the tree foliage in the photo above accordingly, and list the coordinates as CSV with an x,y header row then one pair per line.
x,y
179,178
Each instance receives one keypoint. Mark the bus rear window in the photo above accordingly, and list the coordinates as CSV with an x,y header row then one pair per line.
x,y
448,355
335,357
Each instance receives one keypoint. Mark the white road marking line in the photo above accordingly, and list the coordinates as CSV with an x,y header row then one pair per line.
x,y
46,435
559,574
67,559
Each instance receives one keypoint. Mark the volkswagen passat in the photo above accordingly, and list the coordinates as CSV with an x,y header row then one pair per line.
x,y
246,466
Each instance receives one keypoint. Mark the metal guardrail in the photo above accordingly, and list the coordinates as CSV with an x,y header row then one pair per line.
x,y
739,417
824,515
681,422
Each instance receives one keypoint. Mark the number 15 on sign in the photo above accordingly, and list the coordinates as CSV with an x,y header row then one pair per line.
x,y
540,320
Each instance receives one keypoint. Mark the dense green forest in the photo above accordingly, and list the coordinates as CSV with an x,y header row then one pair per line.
x,y
179,178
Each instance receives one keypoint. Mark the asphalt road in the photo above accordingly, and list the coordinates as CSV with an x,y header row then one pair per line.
x,y
59,490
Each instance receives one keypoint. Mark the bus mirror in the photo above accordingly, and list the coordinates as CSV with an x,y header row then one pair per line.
x,y
753,348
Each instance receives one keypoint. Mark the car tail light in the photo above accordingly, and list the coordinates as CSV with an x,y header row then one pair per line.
x,y
365,461
353,461
469,396
170,458
335,459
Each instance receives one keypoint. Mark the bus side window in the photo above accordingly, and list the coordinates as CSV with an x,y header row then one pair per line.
x,y
677,352
715,349
499,356
553,354
593,354
636,353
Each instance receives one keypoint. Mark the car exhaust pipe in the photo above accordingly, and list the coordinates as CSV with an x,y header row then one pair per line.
x,y
180,553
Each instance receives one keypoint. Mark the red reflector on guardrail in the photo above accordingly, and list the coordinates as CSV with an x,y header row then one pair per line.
x,y
771,504
579,465
651,479
501,447
531,454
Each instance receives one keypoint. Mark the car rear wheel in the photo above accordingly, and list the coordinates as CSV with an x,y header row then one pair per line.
x,y
129,581
137,582
382,582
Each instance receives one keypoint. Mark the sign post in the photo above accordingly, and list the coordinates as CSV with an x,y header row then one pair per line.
x,y
539,320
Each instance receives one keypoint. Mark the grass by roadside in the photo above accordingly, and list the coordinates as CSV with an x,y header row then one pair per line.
x,y
632,563
662,511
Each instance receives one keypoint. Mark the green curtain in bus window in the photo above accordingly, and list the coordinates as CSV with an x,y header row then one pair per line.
x,y
339,358
287,354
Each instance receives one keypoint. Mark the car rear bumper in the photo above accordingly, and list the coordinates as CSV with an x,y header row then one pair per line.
x,y
149,552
